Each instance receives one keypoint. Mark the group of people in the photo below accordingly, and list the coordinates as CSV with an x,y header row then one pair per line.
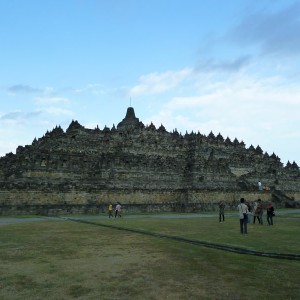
x,y
118,210
246,210
261,188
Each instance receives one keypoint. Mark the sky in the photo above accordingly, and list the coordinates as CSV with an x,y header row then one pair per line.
x,y
229,67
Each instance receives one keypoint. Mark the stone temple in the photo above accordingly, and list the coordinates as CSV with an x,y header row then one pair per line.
x,y
145,168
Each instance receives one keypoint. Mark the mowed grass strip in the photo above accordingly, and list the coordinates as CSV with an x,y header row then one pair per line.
x,y
68,260
282,237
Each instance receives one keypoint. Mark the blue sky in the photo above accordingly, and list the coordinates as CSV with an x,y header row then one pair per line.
x,y
223,66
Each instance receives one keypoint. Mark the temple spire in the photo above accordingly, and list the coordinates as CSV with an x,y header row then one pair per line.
x,y
130,121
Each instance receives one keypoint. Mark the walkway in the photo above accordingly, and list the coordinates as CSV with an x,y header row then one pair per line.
x,y
19,219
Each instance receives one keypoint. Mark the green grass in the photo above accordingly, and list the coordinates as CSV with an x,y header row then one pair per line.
x,y
20,216
69,260
282,237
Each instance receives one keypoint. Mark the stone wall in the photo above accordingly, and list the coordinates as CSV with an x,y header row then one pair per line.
x,y
38,202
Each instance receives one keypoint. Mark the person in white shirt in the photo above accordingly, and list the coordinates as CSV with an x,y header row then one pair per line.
x,y
259,184
118,210
243,215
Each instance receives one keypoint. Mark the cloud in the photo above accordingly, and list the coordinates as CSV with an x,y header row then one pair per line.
x,y
156,83
259,111
54,106
19,115
274,32
245,92
232,65
25,89
12,116
51,100
93,88
57,111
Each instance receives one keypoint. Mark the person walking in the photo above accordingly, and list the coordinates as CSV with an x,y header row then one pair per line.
x,y
255,213
243,215
221,211
270,213
110,209
118,210
248,213
260,211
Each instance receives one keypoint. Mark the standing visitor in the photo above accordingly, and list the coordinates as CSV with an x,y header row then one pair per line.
x,y
270,213
255,213
249,212
260,211
221,211
118,210
259,184
243,215
110,209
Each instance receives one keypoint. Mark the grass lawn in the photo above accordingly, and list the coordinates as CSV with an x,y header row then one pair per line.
x,y
69,260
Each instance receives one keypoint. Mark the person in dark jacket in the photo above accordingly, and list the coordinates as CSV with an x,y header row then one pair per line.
x,y
259,211
270,213
221,211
